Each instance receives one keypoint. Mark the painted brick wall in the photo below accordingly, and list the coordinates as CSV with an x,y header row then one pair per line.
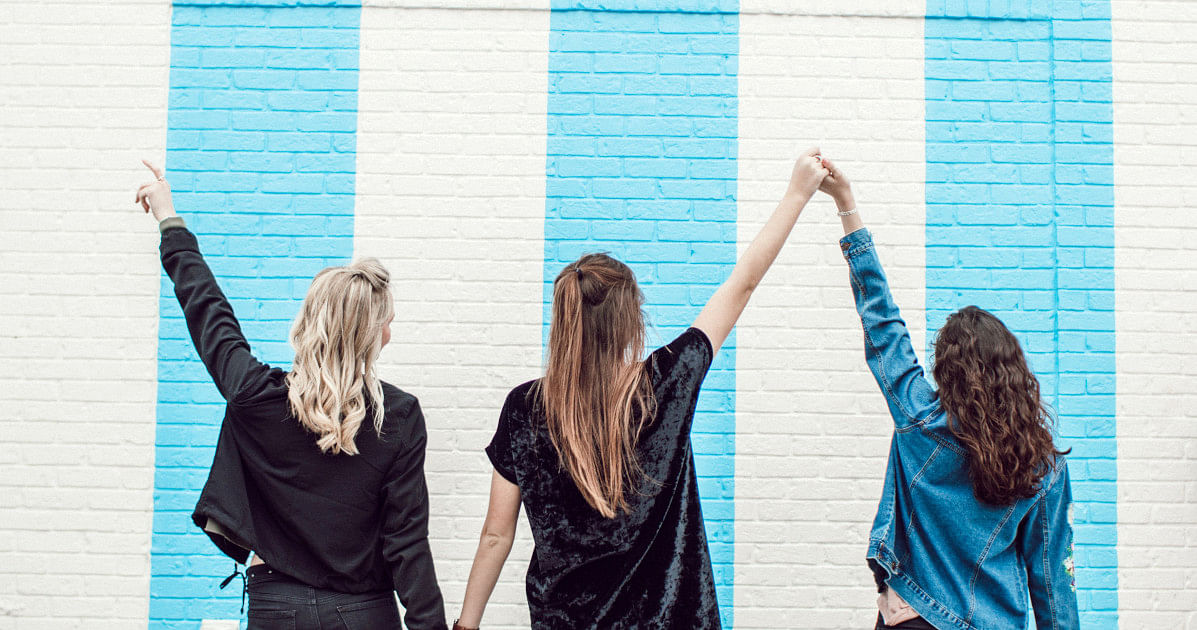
x,y
260,154
450,195
812,429
641,164
1020,222
449,182
78,312
1155,154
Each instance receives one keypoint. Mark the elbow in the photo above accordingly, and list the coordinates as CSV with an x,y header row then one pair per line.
x,y
749,286
496,539
742,288
496,535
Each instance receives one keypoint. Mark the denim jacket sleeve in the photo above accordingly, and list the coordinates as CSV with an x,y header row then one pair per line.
x,y
888,350
210,319
1045,545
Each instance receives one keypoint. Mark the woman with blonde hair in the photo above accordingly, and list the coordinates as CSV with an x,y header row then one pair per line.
x,y
598,451
319,471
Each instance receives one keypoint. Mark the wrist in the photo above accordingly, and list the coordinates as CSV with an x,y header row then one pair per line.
x,y
845,202
797,198
171,221
458,626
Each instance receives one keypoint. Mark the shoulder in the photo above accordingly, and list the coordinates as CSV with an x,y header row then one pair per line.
x,y
396,400
1056,478
692,347
522,397
401,412
266,387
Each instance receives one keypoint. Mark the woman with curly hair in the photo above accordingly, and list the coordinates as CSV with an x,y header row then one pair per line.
x,y
974,513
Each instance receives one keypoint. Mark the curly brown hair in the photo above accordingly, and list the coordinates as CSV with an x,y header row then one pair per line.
x,y
992,401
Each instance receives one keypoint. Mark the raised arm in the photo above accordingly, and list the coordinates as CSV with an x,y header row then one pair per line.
x,y
210,319
719,315
888,350
1045,546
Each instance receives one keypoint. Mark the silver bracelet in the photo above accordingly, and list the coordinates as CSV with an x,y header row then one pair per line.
x,y
846,214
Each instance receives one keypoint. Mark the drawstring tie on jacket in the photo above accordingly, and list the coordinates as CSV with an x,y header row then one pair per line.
x,y
244,584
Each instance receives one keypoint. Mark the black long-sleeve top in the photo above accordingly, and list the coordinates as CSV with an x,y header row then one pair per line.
x,y
350,523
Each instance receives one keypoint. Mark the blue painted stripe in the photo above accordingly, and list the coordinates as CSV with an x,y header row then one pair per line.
x,y
261,145
642,132
1020,221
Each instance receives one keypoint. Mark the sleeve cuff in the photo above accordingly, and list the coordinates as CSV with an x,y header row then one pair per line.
x,y
171,222
176,236
856,243
507,473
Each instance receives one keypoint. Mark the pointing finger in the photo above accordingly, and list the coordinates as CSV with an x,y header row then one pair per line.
x,y
158,173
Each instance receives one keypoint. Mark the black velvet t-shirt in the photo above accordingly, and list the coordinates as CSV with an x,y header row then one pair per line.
x,y
648,568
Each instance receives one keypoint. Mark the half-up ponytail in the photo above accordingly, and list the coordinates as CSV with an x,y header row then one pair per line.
x,y
337,338
596,393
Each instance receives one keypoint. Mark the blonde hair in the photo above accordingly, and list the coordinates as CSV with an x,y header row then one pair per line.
x,y
596,392
337,337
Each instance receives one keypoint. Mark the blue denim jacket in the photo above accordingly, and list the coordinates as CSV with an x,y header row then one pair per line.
x,y
958,562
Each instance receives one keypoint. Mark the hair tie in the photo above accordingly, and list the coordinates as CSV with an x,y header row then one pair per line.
x,y
578,271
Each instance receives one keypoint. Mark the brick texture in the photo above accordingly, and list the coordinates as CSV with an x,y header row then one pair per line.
x,y
812,431
261,142
487,144
78,312
1155,102
450,195
1020,222
641,164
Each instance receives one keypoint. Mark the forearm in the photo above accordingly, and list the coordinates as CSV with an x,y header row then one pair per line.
x,y
415,582
211,322
484,574
723,309
762,251
888,350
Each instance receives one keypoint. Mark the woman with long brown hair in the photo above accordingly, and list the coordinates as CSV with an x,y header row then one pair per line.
x,y
974,513
319,471
598,450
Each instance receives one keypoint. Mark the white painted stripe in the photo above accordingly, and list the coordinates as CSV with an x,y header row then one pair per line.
x,y
450,195
812,428
1155,152
78,309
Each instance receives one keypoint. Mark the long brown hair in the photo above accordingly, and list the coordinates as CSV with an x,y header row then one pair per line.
x,y
993,406
596,393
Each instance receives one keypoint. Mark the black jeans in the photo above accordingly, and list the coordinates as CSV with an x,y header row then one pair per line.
x,y
279,602
913,624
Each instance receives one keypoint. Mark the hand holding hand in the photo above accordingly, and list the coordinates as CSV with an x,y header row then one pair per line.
x,y
808,173
155,196
836,185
